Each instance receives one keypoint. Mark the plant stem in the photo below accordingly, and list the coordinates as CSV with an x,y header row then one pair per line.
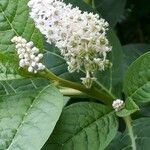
x,y
128,122
88,2
93,5
71,92
102,95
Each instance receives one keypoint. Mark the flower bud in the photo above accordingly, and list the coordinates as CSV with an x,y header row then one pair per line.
x,y
118,104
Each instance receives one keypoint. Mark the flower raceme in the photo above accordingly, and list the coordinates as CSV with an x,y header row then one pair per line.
x,y
80,36
28,54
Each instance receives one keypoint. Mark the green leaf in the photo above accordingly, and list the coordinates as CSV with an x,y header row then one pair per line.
x,y
28,118
15,20
141,128
8,67
132,52
111,10
15,86
137,80
84,126
130,107
145,109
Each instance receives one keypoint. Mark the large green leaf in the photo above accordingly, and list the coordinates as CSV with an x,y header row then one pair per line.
x,y
137,80
111,10
15,20
141,137
84,126
109,81
132,52
28,118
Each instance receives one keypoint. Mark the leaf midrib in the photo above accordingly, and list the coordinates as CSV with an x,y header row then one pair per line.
x,y
82,130
130,96
25,115
8,21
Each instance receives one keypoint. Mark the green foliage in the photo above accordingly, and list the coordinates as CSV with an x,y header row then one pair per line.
x,y
28,117
132,52
15,20
15,86
137,80
111,10
129,108
8,67
30,107
134,28
84,126
141,137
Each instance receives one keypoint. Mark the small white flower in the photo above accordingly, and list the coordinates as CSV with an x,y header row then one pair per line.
x,y
22,63
36,59
40,56
21,56
118,104
33,64
41,66
29,56
35,50
32,56
29,44
30,69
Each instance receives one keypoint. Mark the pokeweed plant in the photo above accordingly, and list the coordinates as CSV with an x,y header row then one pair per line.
x,y
79,56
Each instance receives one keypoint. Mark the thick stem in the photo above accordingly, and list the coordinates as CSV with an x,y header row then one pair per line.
x,y
128,122
94,92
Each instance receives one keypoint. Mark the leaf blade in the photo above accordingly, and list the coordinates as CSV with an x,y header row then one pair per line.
x,y
141,134
137,80
93,127
35,119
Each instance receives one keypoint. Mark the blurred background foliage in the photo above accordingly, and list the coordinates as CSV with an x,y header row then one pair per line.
x,y
135,25
130,18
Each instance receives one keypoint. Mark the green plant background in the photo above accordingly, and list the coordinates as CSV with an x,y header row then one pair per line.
x,y
33,110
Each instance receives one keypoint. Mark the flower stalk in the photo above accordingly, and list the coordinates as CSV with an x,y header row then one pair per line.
x,y
128,121
93,92
89,2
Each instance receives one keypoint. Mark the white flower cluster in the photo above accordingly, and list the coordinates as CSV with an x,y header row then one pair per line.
x,y
118,104
28,54
80,36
